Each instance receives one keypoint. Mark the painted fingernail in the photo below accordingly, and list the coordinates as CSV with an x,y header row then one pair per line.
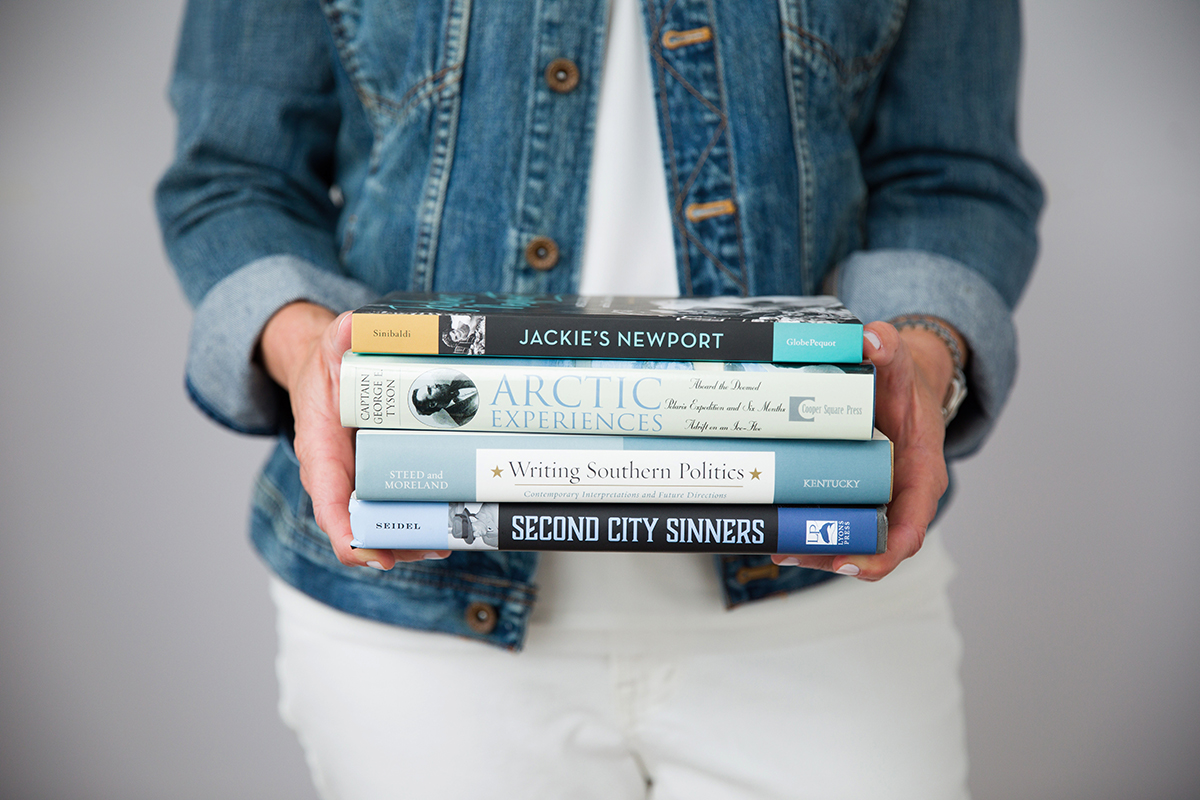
x,y
848,569
873,338
790,561
376,565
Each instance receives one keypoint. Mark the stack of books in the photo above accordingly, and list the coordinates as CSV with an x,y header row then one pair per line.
x,y
509,422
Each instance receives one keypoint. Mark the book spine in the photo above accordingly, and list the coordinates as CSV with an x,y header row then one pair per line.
x,y
698,399
745,529
540,468
624,336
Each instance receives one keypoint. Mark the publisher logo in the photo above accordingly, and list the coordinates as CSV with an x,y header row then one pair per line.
x,y
797,411
827,532
821,531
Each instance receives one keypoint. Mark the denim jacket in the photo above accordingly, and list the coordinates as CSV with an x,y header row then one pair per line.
x,y
331,151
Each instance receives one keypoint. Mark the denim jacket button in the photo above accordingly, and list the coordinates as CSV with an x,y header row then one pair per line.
x,y
541,252
562,75
746,574
482,617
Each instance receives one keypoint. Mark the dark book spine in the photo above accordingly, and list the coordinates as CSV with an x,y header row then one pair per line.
x,y
640,338
598,336
604,527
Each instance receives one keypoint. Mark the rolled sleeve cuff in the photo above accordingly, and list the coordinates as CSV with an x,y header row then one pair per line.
x,y
884,284
222,376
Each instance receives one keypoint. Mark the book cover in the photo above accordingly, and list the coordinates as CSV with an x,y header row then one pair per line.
x,y
815,329
542,468
677,528
639,398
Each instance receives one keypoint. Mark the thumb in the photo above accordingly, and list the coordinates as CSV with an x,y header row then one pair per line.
x,y
881,342
340,342
335,342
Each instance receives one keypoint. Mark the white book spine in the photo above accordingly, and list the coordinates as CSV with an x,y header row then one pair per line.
x,y
694,399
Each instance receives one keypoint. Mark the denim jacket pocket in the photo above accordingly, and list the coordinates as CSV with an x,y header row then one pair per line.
x,y
405,63
424,53
843,45
834,55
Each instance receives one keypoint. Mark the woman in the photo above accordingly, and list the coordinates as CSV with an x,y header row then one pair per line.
x,y
331,152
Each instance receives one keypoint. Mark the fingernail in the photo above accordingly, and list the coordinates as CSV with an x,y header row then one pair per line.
x,y
432,557
873,338
848,569
790,561
376,565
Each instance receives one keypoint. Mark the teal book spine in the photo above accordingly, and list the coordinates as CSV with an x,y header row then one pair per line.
x,y
606,527
541,468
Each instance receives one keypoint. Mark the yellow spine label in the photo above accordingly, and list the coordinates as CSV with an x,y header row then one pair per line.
x,y
415,334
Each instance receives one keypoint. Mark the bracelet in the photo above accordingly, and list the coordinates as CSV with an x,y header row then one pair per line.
x,y
956,392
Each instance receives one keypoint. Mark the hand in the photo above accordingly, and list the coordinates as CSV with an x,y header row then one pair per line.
x,y
913,371
302,347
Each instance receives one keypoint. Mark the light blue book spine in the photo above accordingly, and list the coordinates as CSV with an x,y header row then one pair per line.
x,y
420,466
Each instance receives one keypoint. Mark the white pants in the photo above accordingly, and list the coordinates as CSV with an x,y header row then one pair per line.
x,y
857,696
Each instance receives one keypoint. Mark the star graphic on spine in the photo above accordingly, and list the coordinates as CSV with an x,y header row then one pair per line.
x,y
496,471
754,474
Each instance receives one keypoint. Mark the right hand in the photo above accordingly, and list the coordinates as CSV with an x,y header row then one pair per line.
x,y
302,347
913,370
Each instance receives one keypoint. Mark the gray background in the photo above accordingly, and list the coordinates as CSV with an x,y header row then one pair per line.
x,y
136,639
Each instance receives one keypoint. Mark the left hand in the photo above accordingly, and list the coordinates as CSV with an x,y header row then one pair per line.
x,y
913,371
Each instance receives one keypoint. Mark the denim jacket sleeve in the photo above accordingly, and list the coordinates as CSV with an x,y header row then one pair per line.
x,y
952,209
245,207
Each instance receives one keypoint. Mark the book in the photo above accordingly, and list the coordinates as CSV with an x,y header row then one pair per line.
x,y
546,467
660,398
763,529
793,329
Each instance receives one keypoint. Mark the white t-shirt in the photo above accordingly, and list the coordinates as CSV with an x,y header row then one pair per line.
x,y
629,250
